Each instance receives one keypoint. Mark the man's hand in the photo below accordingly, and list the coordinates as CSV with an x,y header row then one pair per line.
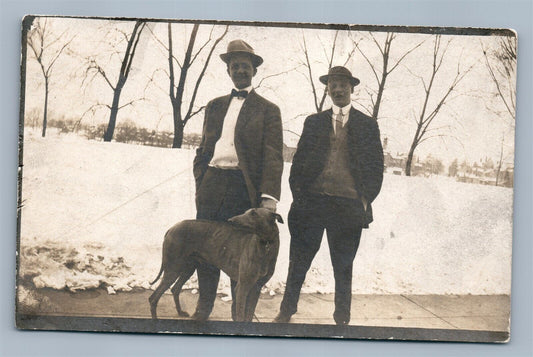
x,y
268,204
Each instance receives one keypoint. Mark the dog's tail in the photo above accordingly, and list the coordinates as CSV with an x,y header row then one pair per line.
x,y
162,260
158,275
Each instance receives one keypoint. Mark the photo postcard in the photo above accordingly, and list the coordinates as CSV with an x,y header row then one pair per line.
x,y
266,179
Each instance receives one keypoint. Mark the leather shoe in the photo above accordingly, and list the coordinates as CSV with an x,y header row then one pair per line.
x,y
282,318
200,316
342,322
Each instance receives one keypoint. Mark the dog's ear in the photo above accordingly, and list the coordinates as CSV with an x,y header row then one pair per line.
x,y
247,219
278,218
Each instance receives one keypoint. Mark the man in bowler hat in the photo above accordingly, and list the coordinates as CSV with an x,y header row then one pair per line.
x,y
239,162
336,173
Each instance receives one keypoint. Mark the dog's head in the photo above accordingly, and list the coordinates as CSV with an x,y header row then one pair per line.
x,y
258,219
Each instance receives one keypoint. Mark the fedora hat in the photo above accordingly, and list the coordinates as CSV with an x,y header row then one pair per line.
x,y
239,46
340,72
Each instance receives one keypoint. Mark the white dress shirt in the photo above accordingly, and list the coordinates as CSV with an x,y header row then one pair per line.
x,y
345,114
225,156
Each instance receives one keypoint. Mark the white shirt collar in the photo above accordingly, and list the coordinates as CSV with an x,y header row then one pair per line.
x,y
247,89
345,110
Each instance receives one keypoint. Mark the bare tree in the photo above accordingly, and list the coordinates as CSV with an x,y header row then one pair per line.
x,y
176,92
117,85
453,168
501,65
381,74
320,97
47,48
425,128
500,161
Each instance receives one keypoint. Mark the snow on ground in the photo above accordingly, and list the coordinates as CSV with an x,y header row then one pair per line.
x,y
94,214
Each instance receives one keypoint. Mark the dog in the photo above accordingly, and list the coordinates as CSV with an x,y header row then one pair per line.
x,y
245,248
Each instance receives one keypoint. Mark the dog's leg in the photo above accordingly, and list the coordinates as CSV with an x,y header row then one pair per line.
x,y
253,298
176,289
242,290
168,279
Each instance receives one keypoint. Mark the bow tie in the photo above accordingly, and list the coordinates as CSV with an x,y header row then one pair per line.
x,y
239,94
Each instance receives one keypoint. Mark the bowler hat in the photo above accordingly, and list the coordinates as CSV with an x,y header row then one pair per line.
x,y
239,46
341,72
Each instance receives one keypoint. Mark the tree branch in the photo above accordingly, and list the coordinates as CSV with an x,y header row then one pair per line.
x,y
275,75
197,111
370,63
141,26
310,72
497,83
203,46
405,55
131,102
49,70
94,65
377,43
350,55
324,94
162,44
201,75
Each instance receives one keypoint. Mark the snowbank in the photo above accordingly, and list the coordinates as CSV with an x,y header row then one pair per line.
x,y
94,214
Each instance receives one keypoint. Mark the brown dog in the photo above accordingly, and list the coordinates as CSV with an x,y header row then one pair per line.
x,y
245,248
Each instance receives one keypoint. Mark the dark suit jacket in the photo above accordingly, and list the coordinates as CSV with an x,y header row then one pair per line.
x,y
258,143
365,152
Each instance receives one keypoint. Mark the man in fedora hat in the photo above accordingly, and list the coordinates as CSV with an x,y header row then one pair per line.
x,y
239,162
336,173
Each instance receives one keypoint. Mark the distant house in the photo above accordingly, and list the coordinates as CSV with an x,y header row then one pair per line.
x,y
392,160
418,169
387,159
506,176
488,176
395,164
397,171
468,177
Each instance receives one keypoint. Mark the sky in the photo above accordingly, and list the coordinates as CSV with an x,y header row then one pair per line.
x,y
470,126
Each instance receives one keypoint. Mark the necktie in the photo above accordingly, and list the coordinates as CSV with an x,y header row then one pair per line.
x,y
239,94
338,123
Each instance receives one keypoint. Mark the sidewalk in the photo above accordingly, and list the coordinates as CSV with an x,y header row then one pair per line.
x,y
465,312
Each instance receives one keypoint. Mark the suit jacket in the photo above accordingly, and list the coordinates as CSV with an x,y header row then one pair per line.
x,y
365,152
258,143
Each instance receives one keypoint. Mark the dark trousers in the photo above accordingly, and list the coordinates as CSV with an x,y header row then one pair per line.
x,y
222,194
308,217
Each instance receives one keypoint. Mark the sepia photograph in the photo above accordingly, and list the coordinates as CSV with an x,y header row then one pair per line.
x,y
266,179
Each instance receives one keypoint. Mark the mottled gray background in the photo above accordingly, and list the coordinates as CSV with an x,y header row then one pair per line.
x,y
500,14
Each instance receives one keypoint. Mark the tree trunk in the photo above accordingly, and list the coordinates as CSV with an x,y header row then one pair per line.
x,y
177,98
384,74
499,164
108,136
123,77
45,114
375,112
178,124
178,134
412,149
409,160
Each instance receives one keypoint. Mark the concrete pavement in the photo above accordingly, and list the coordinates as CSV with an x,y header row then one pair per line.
x,y
449,312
